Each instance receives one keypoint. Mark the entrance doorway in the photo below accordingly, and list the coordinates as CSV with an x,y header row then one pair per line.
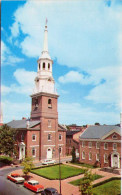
x,y
115,160
21,151
49,153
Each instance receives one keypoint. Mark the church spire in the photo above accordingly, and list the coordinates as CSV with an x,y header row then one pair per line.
x,y
45,53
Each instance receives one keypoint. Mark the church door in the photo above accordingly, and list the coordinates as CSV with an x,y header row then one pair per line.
x,y
115,160
49,153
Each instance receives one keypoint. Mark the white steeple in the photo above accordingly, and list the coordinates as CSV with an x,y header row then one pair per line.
x,y
44,81
45,53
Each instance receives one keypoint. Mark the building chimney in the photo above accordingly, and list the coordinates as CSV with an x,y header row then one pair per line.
x,y
27,123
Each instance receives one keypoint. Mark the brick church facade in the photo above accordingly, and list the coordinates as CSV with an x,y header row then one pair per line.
x,y
41,136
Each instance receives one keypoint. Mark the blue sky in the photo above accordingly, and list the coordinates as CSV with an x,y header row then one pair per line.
x,y
85,43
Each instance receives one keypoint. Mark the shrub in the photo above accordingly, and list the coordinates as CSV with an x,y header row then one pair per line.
x,y
6,159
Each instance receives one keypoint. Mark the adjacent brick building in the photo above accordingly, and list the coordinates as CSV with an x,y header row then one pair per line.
x,y
101,146
41,136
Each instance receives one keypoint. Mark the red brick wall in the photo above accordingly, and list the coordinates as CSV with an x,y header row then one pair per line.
x,y
32,144
101,152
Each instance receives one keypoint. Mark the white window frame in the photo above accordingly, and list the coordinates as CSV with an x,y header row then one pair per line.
x,y
83,155
83,144
35,137
114,145
105,148
97,158
97,143
105,158
49,123
49,134
90,157
35,152
90,144
114,135
61,137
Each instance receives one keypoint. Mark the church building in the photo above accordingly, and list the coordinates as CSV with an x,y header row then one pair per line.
x,y
41,136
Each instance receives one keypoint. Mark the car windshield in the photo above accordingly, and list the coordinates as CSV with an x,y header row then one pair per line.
x,y
15,175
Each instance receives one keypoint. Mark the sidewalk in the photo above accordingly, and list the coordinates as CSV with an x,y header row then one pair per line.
x,y
68,189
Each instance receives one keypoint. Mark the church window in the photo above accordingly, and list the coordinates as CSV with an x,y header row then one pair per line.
x,y
97,157
97,145
60,137
33,152
105,158
36,102
43,65
83,155
49,103
33,137
105,146
49,137
90,156
90,144
49,123
48,66
114,136
114,146
22,137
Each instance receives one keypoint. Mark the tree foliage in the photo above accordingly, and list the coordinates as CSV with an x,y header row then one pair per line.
x,y
73,154
7,142
86,183
27,164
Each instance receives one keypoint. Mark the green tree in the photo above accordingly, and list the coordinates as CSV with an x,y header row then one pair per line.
x,y
7,142
27,164
73,155
86,183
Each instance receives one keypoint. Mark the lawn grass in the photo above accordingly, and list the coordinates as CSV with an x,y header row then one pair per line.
x,y
109,188
78,181
84,165
52,172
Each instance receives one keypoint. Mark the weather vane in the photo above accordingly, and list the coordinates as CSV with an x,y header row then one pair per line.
x,y
46,21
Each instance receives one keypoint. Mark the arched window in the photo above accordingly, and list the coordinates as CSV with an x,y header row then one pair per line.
x,y
49,136
48,66
43,65
39,66
49,103
90,156
36,103
83,155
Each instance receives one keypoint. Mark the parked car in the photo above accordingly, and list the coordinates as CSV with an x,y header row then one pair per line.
x,y
49,191
48,161
15,177
33,185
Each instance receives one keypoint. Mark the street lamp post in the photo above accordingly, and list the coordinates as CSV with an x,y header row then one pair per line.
x,y
59,171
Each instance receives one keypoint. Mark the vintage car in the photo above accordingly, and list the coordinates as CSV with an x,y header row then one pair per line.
x,y
15,177
48,161
33,185
49,191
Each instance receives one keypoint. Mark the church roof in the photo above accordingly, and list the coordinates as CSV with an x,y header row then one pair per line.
x,y
17,124
22,124
97,132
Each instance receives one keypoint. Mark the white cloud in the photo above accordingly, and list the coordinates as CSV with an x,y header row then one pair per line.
x,y
108,91
10,110
86,40
7,58
84,115
25,83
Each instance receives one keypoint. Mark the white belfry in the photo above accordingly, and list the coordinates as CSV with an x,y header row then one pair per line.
x,y
44,81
